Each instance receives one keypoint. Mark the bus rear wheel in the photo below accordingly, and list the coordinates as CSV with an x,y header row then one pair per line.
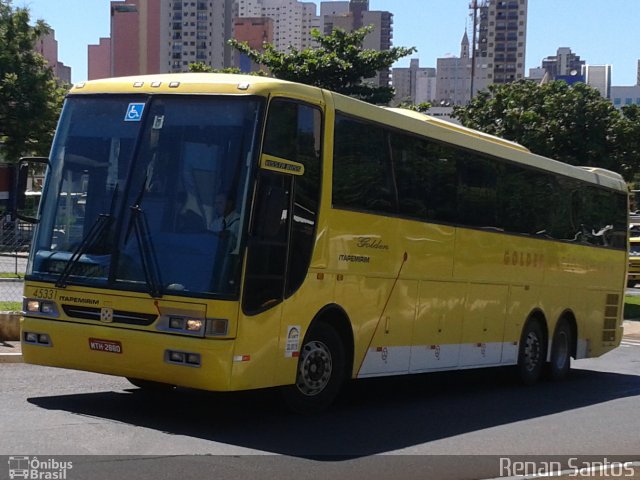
x,y
560,361
320,373
532,353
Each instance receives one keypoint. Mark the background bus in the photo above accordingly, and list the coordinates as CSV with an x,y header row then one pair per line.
x,y
365,242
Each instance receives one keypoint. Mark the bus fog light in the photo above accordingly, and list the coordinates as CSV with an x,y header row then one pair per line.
x,y
30,337
177,357
217,326
44,339
194,325
193,359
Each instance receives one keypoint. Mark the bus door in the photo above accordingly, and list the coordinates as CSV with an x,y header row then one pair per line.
x,y
281,240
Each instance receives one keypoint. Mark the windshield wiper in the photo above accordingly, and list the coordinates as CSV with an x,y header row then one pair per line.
x,y
96,231
149,260
101,223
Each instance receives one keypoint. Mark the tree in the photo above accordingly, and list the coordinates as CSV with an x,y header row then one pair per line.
x,y
573,124
627,130
339,63
30,98
420,107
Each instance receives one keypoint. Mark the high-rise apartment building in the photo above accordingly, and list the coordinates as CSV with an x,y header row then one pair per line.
x,y
292,20
196,32
358,9
135,37
355,14
99,64
379,39
47,46
414,84
158,36
501,33
599,77
256,31
564,64
134,45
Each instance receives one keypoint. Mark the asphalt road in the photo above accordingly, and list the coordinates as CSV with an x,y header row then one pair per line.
x,y
454,425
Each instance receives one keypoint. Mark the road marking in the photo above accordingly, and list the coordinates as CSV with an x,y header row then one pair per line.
x,y
630,343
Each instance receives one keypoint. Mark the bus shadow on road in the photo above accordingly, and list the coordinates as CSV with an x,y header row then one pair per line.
x,y
371,417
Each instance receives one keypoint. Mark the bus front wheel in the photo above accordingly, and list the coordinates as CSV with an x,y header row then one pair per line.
x,y
320,373
532,353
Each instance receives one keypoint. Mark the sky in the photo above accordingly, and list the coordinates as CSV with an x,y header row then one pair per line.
x,y
600,31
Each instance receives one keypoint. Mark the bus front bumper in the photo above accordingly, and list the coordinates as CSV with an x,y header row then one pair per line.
x,y
129,353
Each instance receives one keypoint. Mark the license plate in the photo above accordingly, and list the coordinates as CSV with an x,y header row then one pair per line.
x,y
105,345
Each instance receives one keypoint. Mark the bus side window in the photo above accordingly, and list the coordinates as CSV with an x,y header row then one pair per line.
x,y
286,206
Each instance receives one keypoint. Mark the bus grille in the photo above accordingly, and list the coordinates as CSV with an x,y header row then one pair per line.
x,y
611,310
119,316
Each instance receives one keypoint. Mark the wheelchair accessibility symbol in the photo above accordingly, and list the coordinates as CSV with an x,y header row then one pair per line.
x,y
134,112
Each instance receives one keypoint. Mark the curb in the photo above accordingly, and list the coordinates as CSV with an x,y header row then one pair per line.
x,y
11,358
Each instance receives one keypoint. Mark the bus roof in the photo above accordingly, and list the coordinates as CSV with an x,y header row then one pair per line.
x,y
203,83
198,83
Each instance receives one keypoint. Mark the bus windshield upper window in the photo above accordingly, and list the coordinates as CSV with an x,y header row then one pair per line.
x,y
190,152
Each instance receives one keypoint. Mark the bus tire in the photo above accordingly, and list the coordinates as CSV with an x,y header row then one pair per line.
x,y
532,353
560,360
150,386
320,373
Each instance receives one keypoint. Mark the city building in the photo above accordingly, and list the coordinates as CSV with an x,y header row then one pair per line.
x,y
501,32
379,39
292,20
47,46
453,84
414,84
599,77
99,61
159,36
537,74
622,96
196,32
135,37
335,15
563,64
256,31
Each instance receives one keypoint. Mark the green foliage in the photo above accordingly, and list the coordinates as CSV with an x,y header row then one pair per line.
x,y
30,98
421,107
573,124
339,63
628,141
6,306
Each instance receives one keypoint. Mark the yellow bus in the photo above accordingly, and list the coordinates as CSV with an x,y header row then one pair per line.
x,y
242,232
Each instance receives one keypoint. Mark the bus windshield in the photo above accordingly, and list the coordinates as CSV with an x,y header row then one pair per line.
x,y
148,193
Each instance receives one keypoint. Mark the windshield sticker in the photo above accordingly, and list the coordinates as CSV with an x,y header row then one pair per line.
x,y
134,112
158,122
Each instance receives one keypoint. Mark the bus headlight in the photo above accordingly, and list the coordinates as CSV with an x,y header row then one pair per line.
x,y
43,307
194,325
